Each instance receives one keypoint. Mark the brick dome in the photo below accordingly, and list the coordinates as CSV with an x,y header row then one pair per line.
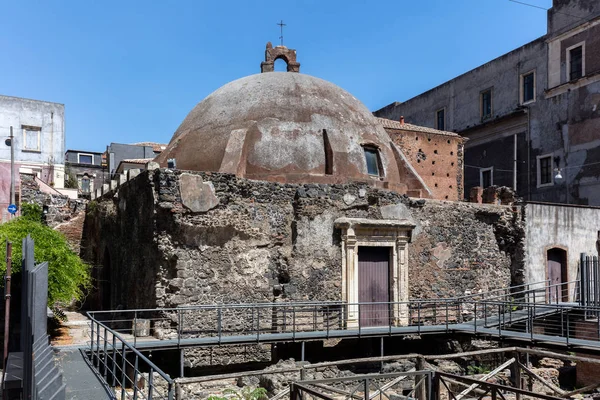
x,y
286,127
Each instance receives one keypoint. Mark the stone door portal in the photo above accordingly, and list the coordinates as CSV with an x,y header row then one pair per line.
x,y
374,285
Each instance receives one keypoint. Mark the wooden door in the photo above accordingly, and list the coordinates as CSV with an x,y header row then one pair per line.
x,y
374,285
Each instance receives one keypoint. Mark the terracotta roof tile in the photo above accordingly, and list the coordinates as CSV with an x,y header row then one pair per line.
x,y
391,124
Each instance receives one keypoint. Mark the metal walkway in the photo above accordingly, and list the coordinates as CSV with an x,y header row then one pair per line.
x,y
81,382
520,314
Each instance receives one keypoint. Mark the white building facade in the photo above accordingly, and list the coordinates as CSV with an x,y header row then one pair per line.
x,y
39,145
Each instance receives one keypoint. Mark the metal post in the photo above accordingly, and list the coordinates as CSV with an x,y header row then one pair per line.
x,y
500,315
12,168
381,352
179,327
170,393
429,386
135,329
92,340
6,306
151,383
484,315
293,323
367,388
327,321
123,372
435,387
219,323
302,351
475,319
135,376
181,363
390,317
596,279
105,354
418,319
114,361
584,279
530,314
258,324
567,311
447,316
98,346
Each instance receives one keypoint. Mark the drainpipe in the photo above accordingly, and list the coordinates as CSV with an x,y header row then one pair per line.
x,y
51,166
528,153
515,163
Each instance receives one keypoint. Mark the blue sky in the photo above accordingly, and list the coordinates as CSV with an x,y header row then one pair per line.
x,y
130,71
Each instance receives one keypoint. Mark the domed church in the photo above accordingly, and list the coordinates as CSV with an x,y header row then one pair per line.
x,y
290,127
283,187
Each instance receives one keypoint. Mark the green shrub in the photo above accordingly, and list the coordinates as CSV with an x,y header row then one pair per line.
x,y
31,211
68,276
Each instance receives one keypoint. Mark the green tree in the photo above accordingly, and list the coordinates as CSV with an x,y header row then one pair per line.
x,y
68,276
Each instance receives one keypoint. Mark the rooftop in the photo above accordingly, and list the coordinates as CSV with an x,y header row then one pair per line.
x,y
403,126
156,147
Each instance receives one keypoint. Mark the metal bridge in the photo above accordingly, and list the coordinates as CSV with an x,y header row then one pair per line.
x,y
537,313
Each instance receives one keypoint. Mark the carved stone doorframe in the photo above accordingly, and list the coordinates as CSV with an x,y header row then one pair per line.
x,y
395,234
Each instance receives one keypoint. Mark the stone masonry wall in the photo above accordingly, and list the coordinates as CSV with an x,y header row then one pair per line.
x,y
252,241
263,241
61,213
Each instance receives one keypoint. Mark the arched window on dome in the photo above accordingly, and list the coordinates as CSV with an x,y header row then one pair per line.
x,y
373,161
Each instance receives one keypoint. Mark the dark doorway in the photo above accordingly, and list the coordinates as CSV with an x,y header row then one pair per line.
x,y
374,285
104,282
557,274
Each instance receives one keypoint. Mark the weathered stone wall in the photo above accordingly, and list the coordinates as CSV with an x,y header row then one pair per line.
x,y
120,240
263,241
59,208
253,241
61,213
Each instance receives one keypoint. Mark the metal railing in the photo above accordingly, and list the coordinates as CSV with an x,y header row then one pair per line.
x,y
428,385
269,322
120,364
529,312
367,387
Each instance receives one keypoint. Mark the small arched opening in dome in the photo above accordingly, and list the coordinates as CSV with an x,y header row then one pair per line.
x,y
281,65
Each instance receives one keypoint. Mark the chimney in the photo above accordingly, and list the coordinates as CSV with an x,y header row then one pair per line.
x,y
402,120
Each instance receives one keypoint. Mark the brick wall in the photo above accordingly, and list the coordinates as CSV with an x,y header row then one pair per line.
x,y
437,158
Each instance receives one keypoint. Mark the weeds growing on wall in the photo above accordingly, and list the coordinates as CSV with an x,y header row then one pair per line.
x,y
68,276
